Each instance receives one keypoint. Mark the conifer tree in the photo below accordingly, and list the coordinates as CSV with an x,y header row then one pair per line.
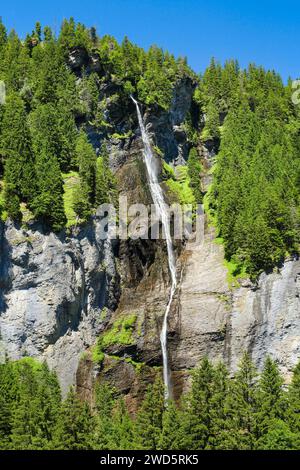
x,y
212,123
48,400
150,417
105,180
243,403
272,403
48,204
8,396
16,149
196,420
3,35
171,435
81,201
221,410
75,424
278,437
24,422
105,403
122,434
86,159
48,35
49,72
194,170
10,63
66,39
294,400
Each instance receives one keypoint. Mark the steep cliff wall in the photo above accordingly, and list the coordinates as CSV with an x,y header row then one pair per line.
x,y
221,322
58,293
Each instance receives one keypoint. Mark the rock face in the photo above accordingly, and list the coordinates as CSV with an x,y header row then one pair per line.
x,y
267,320
54,294
222,323
168,130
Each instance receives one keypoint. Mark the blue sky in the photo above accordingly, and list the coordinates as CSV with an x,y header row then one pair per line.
x,y
264,32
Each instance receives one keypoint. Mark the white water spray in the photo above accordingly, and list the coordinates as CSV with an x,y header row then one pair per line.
x,y
162,210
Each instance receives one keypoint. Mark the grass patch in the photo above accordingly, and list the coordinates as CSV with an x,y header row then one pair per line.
x,y
167,170
137,365
125,136
179,186
219,241
3,213
235,272
97,354
27,215
120,333
70,181
29,361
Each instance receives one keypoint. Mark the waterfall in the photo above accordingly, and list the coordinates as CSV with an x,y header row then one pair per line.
x,y
162,211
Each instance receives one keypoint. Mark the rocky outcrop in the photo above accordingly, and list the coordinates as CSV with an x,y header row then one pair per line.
x,y
167,129
56,295
79,58
220,322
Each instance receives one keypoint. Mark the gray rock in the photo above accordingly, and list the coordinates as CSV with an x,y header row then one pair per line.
x,y
78,58
222,323
55,293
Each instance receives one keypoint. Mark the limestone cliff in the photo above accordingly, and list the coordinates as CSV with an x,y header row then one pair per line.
x,y
57,293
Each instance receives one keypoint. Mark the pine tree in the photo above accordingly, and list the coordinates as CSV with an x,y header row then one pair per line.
x,y
194,171
105,180
86,159
201,394
16,149
10,63
272,403
47,402
294,400
150,417
243,404
53,129
221,410
171,436
75,424
212,123
38,31
3,35
278,437
48,35
11,197
49,71
8,395
48,204
105,403
122,434
24,422
66,39
81,201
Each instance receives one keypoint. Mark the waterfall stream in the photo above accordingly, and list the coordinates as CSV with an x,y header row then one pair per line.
x,y
163,213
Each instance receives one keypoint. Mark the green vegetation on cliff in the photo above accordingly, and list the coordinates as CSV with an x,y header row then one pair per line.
x,y
120,333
